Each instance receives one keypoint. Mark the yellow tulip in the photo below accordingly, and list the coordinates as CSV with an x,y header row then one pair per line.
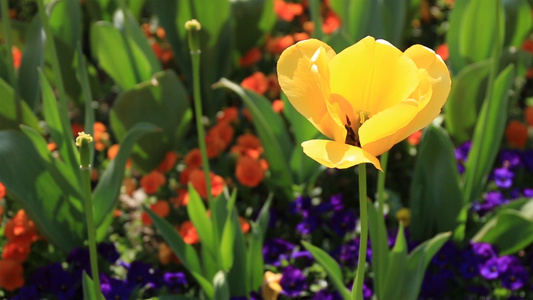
x,y
366,99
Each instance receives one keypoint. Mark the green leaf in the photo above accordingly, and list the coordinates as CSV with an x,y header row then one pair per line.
x,y
9,110
397,263
183,251
32,59
435,194
264,216
109,48
255,263
105,194
380,249
227,242
172,297
254,19
61,134
202,223
417,263
221,286
238,279
161,101
509,231
65,20
518,22
457,61
41,190
465,100
271,131
89,293
331,267
488,132
476,45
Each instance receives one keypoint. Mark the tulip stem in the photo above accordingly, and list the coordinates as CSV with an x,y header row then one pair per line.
x,y
357,292
381,182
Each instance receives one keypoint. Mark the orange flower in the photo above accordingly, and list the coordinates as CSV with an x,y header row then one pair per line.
x,y
2,191
15,251
17,56
1,213
166,255
218,138
113,151
251,57
168,162
249,145
181,199
160,32
20,229
11,275
228,114
247,114
161,208
528,115
277,106
152,181
287,10
516,134
188,233
414,138
300,36
276,45
249,171
129,186
331,22
273,86
245,226
443,51
256,82
197,178
193,159
100,136
51,146
75,127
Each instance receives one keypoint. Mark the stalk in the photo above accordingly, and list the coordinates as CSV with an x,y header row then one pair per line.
x,y
358,283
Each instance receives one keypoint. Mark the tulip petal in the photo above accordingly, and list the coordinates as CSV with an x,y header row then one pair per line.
x,y
426,58
304,77
382,131
338,155
372,75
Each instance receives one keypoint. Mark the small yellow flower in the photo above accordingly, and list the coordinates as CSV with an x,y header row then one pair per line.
x,y
83,136
366,99
404,216
193,25
271,287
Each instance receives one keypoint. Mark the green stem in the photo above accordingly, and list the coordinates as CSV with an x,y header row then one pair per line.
x,y
381,182
125,36
85,167
316,18
6,24
83,79
358,284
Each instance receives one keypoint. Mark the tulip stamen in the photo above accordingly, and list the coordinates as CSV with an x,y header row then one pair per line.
x,y
351,136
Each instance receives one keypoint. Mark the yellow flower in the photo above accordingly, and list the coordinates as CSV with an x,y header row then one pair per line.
x,y
271,287
366,99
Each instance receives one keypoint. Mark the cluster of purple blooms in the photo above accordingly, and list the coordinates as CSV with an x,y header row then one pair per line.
x,y
64,283
505,177
476,270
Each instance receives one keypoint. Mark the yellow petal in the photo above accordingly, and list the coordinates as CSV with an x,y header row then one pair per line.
x,y
338,155
304,77
372,75
379,133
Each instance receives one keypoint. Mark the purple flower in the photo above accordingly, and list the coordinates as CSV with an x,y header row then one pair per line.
x,y
510,158
79,261
275,249
174,281
503,177
515,278
492,200
327,295
461,152
527,158
506,262
336,202
343,221
308,225
489,270
469,267
301,205
528,192
483,251
28,292
303,256
113,288
293,282
142,274
108,251
446,256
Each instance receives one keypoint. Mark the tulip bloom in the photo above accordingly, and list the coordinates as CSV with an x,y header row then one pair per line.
x,y
365,99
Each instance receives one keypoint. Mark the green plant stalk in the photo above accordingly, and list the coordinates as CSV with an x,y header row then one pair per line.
x,y
381,182
469,193
194,47
8,42
85,167
358,284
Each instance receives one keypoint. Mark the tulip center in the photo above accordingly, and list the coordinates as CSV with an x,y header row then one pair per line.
x,y
352,138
